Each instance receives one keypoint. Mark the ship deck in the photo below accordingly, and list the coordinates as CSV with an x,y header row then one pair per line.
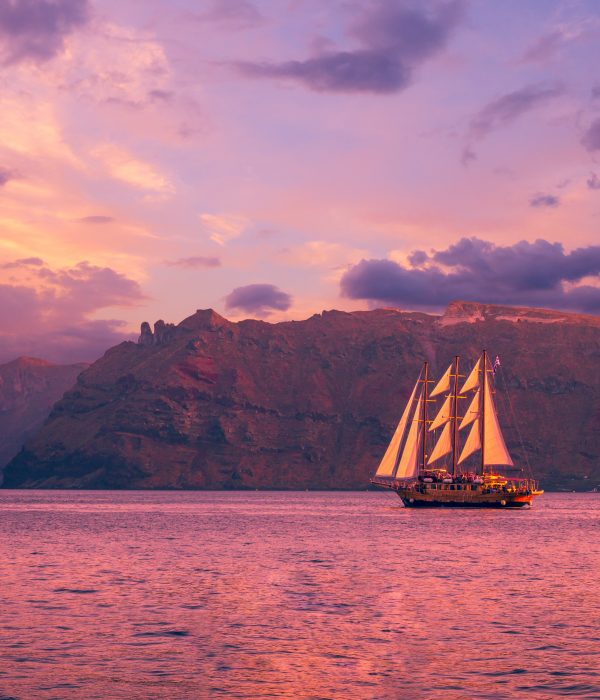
x,y
461,495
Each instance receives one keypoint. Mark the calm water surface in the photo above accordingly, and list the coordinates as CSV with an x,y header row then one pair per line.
x,y
295,595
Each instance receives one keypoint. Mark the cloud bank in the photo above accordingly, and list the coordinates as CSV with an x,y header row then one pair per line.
x,y
393,40
258,299
35,30
526,274
47,313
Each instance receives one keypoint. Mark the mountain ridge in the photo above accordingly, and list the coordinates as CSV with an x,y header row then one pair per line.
x,y
211,403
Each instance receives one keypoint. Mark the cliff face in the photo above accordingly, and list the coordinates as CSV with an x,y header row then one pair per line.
x,y
311,404
28,389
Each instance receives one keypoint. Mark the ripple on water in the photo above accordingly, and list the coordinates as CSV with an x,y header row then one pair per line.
x,y
298,595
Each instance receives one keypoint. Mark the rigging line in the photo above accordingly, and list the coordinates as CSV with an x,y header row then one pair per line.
x,y
516,424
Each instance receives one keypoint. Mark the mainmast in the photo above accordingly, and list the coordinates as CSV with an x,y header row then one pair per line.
x,y
426,380
483,398
455,416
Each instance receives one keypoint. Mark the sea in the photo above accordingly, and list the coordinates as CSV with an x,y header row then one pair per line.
x,y
295,595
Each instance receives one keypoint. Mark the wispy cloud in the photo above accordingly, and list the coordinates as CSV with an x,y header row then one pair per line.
x,y
194,262
509,107
545,47
122,165
236,14
222,228
22,263
96,219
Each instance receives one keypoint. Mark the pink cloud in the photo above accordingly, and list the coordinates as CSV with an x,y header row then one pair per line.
x,y
46,312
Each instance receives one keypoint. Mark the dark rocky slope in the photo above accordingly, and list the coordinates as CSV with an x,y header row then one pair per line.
x,y
310,404
28,389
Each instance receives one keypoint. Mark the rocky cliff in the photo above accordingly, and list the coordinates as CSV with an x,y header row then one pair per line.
x,y
28,389
311,404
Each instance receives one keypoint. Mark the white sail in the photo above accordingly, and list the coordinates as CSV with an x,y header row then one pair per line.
x,y
473,442
444,383
444,414
443,446
390,459
472,411
494,447
409,460
495,451
473,378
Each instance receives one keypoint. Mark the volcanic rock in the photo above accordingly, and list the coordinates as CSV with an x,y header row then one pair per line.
x,y
312,404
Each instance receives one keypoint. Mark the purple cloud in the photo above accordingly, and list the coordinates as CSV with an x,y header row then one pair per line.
x,y
5,176
194,262
507,108
467,156
48,309
530,274
22,262
258,299
237,14
540,201
393,39
36,29
96,219
593,182
591,138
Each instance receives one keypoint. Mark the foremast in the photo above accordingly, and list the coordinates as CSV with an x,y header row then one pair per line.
x,y
455,417
425,418
407,449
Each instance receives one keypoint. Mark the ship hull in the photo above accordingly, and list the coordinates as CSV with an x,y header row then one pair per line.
x,y
466,499
417,503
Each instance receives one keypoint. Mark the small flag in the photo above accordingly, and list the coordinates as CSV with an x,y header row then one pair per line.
x,y
496,364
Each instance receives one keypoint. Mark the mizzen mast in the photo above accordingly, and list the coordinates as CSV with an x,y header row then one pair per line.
x,y
483,398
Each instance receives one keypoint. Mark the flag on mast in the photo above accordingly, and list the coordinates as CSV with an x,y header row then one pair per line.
x,y
496,364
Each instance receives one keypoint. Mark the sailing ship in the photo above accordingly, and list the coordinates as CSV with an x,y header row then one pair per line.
x,y
451,475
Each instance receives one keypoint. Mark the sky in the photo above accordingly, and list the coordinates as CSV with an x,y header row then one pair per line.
x,y
274,158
